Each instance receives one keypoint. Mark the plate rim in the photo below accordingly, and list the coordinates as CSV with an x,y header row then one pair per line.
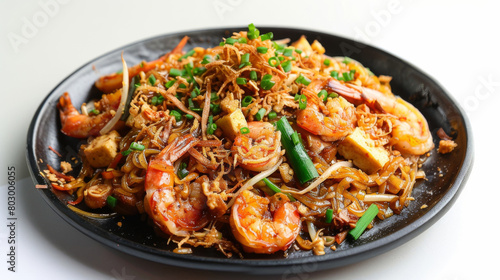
x,y
274,266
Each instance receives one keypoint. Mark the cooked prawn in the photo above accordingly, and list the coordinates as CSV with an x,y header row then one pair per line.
x,y
410,131
112,82
259,149
333,122
170,208
264,225
79,125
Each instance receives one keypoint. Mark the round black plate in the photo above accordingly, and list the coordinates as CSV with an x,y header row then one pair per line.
x,y
446,174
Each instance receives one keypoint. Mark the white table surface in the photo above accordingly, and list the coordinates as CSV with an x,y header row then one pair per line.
x,y
456,42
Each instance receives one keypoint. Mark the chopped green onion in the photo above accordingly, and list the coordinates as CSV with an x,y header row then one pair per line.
x,y
241,81
262,50
280,48
296,154
242,40
212,128
175,72
295,138
195,92
296,97
213,96
152,80
247,100
244,130
253,33
288,52
170,83
326,62
137,146
364,221
260,114
253,75
157,100
182,172
266,83
323,95
333,95
334,74
126,152
329,215
287,66
274,61
176,114
231,41
245,60
272,115
303,80
215,109
188,54
346,60
206,59
94,111
189,117
267,36
299,51
276,189
302,102
111,201
199,70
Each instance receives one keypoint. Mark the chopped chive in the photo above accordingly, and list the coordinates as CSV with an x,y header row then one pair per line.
x,y
247,100
326,62
188,54
137,146
182,86
111,201
296,97
262,50
276,189
299,51
242,40
329,215
364,221
288,52
126,152
287,66
244,130
175,72
323,95
274,61
267,36
303,80
266,83
253,75
195,92
176,114
241,81
272,115
182,172
189,117
152,80
260,114
302,102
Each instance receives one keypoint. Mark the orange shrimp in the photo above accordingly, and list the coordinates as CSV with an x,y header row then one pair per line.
x,y
112,82
410,131
173,213
264,225
259,149
79,125
337,122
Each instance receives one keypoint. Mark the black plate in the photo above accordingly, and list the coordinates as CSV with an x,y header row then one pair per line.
x,y
137,238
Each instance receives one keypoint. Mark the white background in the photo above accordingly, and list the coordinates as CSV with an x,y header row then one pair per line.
x,y
456,42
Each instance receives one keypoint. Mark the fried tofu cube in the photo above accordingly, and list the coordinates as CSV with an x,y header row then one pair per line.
x,y
446,146
103,149
232,123
359,148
